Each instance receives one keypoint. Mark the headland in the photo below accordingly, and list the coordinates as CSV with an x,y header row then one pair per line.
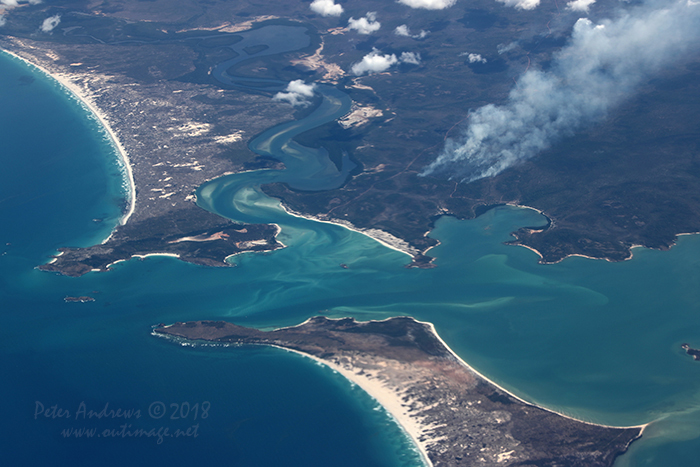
x,y
455,416
167,147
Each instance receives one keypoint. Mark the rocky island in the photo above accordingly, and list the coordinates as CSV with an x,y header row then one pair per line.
x,y
695,353
455,416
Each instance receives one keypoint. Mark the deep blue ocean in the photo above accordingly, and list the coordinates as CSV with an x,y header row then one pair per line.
x,y
592,339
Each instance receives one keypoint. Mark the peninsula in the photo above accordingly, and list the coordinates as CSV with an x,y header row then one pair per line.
x,y
171,148
454,415
148,76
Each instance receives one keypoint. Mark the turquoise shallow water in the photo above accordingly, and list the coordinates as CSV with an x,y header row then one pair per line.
x,y
597,340
267,407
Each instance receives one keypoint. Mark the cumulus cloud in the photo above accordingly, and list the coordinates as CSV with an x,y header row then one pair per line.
x,y
297,93
9,4
429,4
521,4
580,5
365,25
473,58
403,30
13,3
50,23
600,67
410,57
326,8
374,62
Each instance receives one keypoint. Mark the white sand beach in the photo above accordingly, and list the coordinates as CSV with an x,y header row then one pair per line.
x,y
86,100
387,398
392,398
380,236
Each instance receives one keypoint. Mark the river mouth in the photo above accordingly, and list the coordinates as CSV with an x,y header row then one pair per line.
x,y
600,341
238,196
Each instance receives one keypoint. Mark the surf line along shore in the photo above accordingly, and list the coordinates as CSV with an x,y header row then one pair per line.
x,y
454,415
87,103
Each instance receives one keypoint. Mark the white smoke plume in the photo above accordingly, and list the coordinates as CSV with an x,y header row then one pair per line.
x,y
503,48
580,5
297,93
429,4
326,8
50,23
599,68
521,4
403,30
365,25
374,62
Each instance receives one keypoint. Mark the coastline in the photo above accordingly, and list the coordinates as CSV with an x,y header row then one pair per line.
x,y
389,400
385,397
377,235
643,426
64,80
579,255
142,257
393,399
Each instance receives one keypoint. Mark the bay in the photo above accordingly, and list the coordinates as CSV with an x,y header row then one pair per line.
x,y
267,407
597,340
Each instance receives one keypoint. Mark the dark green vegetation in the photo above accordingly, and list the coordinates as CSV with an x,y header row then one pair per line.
x,y
468,420
627,181
209,240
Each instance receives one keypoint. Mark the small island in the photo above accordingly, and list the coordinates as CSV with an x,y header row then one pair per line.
x,y
455,416
695,353
81,299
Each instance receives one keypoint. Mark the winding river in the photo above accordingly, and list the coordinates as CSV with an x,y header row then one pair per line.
x,y
501,296
238,196
599,341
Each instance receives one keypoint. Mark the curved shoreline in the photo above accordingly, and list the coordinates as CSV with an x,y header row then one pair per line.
x,y
391,401
89,105
384,397
388,393
395,245
579,255
643,426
